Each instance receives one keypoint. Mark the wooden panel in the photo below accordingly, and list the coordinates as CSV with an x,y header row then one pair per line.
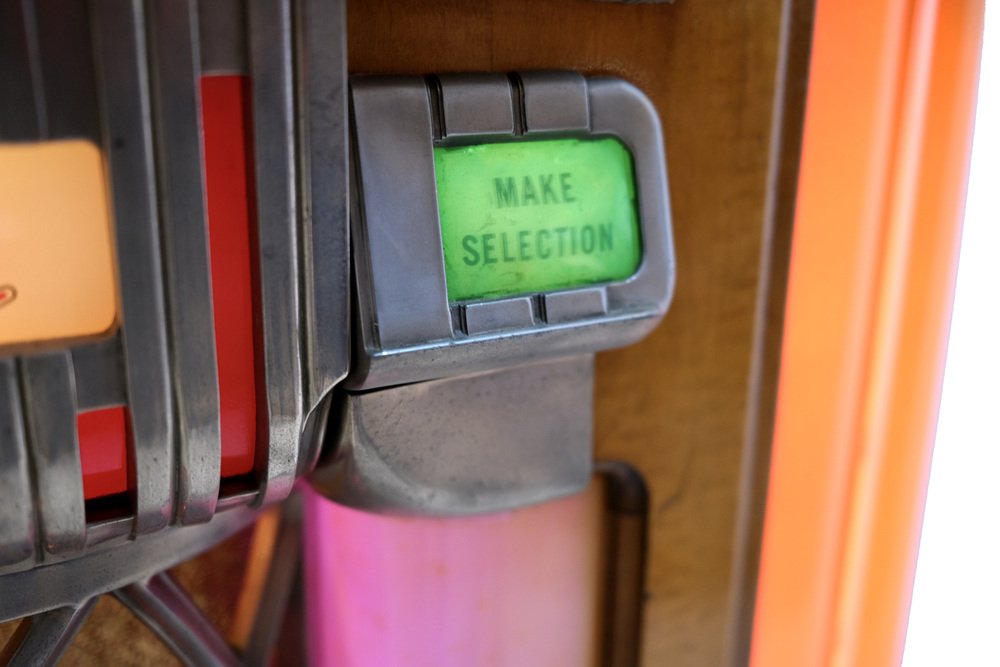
x,y
776,240
673,405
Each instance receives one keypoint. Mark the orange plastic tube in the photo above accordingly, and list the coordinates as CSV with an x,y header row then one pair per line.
x,y
881,193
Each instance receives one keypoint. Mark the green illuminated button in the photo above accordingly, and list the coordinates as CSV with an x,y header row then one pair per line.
x,y
536,216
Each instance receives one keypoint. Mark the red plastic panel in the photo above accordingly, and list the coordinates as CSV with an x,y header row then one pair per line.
x,y
103,436
229,184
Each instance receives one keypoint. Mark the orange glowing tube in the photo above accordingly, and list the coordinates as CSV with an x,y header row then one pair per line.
x,y
881,191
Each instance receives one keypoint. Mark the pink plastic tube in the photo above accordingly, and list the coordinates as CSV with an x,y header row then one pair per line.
x,y
518,588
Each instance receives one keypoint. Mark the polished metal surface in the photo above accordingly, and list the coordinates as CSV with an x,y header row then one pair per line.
x,y
46,637
99,372
104,530
476,104
121,46
71,581
465,445
17,512
50,408
397,241
575,305
271,67
167,610
401,295
222,27
326,268
620,109
516,313
126,74
554,101
458,408
154,597
184,229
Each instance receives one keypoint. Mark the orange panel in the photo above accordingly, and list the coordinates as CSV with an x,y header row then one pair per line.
x,y
881,190
57,278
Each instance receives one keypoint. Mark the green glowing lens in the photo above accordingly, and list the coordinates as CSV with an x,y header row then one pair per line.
x,y
536,216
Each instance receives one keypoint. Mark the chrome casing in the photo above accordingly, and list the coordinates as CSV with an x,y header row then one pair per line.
x,y
478,406
406,330
126,76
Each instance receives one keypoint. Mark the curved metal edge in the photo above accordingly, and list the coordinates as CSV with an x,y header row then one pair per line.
x,y
619,108
123,83
434,360
176,103
321,88
17,521
467,445
172,615
635,306
49,399
70,583
42,639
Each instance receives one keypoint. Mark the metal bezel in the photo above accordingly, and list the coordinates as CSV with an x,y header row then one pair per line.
x,y
408,332
127,76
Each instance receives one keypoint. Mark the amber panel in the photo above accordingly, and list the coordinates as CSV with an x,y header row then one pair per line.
x,y
57,279
673,405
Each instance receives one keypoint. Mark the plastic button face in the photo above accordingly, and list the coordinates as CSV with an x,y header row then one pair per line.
x,y
57,277
536,216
